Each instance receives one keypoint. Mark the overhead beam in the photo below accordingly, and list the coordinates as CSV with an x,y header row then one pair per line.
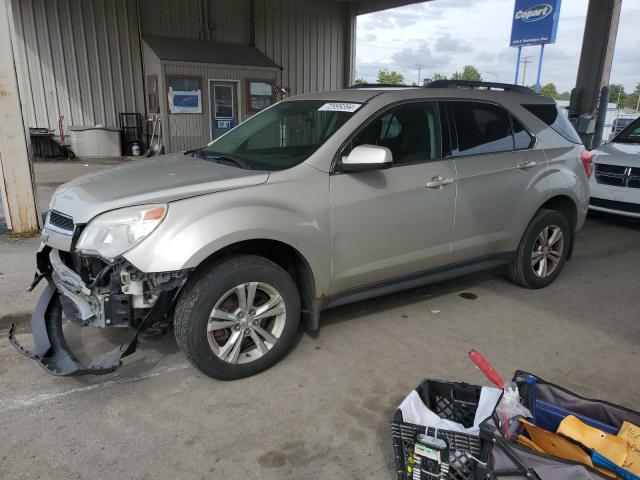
x,y
16,180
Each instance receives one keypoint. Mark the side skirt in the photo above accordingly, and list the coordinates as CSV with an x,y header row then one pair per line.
x,y
406,282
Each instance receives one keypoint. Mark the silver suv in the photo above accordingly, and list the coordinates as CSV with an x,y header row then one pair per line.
x,y
318,201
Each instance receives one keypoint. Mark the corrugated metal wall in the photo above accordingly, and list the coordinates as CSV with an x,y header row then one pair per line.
x,y
187,131
78,58
210,20
308,38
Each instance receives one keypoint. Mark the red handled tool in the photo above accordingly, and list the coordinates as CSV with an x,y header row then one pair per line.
x,y
486,368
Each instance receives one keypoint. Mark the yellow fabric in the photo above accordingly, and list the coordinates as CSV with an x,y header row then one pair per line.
x,y
631,433
522,440
610,446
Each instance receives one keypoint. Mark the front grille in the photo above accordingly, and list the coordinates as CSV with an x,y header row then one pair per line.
x,y
613,205
618,176
60,221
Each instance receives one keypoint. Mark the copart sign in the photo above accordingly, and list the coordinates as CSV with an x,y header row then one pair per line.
x,y
534,22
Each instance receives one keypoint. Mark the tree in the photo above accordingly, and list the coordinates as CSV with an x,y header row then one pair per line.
x,y
469,72
564,96
438,76
390,77
631,100
359,81
549,90
617,95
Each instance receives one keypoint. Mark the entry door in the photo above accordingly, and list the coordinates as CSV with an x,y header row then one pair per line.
x,y
224,107
389,223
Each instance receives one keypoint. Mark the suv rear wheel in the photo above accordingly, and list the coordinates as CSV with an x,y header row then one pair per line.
x,y
238,318
542,251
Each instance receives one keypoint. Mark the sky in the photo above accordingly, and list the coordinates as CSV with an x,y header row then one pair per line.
x,y
445,35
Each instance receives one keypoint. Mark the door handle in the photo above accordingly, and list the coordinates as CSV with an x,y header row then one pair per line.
x,y
438,182
525,164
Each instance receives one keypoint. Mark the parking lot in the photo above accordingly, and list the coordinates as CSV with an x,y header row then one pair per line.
x,y
324,411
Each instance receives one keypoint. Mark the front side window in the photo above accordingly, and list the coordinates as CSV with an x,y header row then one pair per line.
x,y
522,139
481,128
410,131
281,137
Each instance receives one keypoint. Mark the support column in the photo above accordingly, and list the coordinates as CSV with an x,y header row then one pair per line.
x,y
600,31
350,45
16,181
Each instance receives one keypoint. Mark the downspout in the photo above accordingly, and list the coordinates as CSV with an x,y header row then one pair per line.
x,y
142,71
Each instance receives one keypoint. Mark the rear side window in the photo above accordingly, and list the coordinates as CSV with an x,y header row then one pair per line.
x,y
554,118
481,128
522,140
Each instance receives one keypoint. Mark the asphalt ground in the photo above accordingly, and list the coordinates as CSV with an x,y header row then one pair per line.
x,y
324,411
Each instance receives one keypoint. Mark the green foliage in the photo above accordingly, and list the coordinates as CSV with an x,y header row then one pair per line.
x,y
390,77
359,81
564,96
469,72
631,100
549,90
617,95
438,76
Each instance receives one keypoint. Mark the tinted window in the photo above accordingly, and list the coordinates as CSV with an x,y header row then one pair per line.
x,y
631,134
558,121
411,132
481,128
522,140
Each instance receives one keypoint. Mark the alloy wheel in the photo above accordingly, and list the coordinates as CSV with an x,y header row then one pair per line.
x,y
547,251
246,322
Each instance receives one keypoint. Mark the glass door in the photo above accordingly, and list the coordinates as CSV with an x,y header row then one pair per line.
x,y
224,107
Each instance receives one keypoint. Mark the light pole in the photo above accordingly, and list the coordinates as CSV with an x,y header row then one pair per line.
x,y
419,71
497,77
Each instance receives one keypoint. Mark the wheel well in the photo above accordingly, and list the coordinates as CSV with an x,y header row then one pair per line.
x,y
567,207
281,254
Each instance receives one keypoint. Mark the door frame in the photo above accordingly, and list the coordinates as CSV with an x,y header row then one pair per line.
x,y
239,99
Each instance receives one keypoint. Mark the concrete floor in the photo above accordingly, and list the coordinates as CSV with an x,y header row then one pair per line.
x,y
324,411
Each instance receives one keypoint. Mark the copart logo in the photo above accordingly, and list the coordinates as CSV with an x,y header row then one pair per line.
x,y
534,14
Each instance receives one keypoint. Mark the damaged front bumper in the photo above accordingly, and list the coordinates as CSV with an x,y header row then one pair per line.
x,y
85,304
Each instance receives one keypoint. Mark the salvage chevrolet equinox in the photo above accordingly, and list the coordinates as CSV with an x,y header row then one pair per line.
x,y
315,202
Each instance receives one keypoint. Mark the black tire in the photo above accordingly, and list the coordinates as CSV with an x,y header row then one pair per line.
x,y
199,297
520,271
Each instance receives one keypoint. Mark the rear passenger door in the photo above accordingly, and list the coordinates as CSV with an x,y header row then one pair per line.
x,y
498,173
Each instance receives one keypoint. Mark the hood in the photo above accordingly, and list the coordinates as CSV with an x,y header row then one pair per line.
x,y
623,154
156,180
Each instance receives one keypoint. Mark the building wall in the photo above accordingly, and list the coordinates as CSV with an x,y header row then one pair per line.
x,y
77,58
192,130
209,20
308,38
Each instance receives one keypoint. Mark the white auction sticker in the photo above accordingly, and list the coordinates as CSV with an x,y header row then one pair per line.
x,y
339,107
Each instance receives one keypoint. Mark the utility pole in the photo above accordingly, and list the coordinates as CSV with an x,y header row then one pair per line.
x,y
525,61
497,77
419,71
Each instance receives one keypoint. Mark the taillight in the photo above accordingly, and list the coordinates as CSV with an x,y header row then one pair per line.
x,y
587,158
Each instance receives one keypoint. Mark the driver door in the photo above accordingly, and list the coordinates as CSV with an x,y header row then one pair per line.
x,y
388,223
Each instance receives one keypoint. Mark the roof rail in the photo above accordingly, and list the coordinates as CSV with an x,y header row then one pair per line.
x,y
471,85
378,85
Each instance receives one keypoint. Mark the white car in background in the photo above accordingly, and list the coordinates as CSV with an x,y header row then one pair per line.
x,y
615,184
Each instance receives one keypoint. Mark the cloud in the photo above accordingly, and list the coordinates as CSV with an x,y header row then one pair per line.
x,y
369,37
447,43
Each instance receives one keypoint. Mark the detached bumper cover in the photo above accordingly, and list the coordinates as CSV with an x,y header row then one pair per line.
x,y
51,349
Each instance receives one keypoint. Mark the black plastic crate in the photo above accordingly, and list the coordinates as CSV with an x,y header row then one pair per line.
x,y
453,401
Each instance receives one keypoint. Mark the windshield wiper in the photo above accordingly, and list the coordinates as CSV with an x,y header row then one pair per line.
x,y
219,158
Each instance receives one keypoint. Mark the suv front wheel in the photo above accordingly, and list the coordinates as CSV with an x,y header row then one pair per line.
x,y
542,251
238,318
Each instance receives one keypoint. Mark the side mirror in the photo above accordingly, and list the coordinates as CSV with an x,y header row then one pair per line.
x,y
364,158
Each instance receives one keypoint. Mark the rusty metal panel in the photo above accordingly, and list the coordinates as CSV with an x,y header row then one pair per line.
x,y
78,58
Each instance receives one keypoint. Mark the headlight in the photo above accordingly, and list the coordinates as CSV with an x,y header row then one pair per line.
x,y
113,233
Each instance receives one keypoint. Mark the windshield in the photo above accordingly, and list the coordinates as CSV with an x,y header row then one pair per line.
x,y
631,134
281,137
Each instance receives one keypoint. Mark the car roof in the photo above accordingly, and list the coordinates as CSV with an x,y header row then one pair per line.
x,y
390,95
